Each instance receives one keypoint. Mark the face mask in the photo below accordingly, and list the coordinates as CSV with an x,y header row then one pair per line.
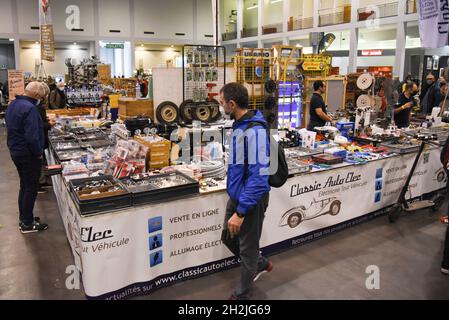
x,y
38,102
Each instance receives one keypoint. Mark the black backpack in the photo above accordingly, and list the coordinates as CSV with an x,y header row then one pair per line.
x,y
278,179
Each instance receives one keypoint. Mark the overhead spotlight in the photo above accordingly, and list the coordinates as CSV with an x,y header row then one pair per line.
x,y
75,43
11,39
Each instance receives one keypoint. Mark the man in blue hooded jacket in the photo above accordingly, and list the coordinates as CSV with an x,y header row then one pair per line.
x,y
26,142
247,185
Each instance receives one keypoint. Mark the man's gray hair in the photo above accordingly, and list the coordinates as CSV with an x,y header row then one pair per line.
x,y
35,88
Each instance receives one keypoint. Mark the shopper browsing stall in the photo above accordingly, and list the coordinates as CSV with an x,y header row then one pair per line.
x,y
318,109
247,187
26,142
406,103
58,98
430,97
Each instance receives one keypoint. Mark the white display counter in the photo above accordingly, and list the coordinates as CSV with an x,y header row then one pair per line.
x,y
138,250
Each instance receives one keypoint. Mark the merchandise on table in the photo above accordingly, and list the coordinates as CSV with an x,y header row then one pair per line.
x,y
147,188
99,194
327,159
213,169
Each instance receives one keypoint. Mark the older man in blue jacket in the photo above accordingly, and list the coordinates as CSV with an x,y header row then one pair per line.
x,y
26,143
247,185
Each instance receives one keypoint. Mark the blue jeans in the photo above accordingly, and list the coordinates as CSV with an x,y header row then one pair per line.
x,y
29,169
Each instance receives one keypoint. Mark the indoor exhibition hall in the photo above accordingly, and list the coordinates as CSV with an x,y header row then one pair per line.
x,y
216,150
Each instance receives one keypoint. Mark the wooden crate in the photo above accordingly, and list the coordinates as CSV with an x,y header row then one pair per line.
x,y
129,107
158,155
72,112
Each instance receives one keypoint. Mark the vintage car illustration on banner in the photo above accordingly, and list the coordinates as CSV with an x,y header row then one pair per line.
x,y
317,208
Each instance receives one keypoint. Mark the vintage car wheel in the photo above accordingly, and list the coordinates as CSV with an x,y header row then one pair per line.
x,y
335,208
202,113
294,220
167,113
185,110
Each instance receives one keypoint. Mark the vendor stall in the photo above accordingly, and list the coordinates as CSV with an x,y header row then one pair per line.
x,y
139,249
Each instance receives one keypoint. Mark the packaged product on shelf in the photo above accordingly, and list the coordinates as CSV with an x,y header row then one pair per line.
x,y
129,158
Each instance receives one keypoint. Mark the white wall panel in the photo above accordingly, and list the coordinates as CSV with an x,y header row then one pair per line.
x,y
164,18
205,23
86,17
114,15
28,16
6,16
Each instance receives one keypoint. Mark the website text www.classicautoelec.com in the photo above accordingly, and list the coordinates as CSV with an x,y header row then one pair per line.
x,y
196,271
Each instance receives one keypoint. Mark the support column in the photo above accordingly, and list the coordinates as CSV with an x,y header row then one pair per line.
x,y
353,50
216,21
355,5
316,13
286,15
17,53
399,64
260,19
239,19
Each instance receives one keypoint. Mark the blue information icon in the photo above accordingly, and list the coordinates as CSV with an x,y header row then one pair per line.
x,y
378,197
156,242
155,259
379,173
379,184
155,224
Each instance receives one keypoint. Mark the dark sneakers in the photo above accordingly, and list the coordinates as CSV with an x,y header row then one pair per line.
x,y
268,268
33,228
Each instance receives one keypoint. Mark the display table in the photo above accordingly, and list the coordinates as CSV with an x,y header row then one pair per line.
x,y
136,251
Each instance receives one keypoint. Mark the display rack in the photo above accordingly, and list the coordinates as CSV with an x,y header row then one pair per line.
x,y
204,74
253,69
288,74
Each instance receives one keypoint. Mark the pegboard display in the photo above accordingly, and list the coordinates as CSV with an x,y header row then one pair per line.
x,y
204,72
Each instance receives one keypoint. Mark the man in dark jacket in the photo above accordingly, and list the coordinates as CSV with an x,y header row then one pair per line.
x,y
431,97
25,143
445,161
248,187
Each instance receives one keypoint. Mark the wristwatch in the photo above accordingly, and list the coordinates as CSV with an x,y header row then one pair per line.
x,y
241,216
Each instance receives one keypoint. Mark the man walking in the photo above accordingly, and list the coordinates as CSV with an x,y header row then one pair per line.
x,y
25,142
247,186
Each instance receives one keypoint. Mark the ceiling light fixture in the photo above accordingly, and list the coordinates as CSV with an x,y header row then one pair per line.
x,y
254,6
276,1
11,39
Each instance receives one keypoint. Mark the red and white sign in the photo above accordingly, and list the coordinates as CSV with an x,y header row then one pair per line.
x,y
371,53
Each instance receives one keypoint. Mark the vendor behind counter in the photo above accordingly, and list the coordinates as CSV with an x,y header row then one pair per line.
x,y
318,109
405,104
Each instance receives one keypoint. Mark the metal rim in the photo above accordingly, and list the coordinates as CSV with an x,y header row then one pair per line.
x,y
169,113
203,113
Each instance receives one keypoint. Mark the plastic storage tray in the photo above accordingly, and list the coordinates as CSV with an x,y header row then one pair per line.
x,y
401,148
297,167
150,188
105,201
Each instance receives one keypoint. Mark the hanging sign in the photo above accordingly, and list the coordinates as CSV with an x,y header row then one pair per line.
x,y
46,31
115,46
316,62
16,83
433,23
